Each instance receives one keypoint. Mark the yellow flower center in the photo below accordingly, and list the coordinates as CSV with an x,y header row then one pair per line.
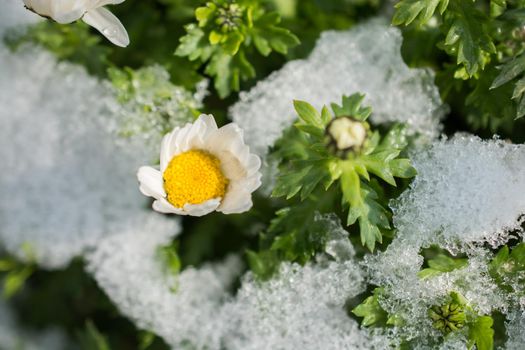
x,y
194,177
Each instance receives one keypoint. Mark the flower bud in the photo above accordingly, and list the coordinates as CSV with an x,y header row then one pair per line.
x,y
346,134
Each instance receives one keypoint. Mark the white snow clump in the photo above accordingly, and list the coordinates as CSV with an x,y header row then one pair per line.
x,y
364,59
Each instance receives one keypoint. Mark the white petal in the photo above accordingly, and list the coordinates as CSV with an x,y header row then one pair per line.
x,y
202,208
100,3
236,200
224,137
42,7
109,25
252,183
179,141
200,132
163,206
166,151
67,11
151,182
254,164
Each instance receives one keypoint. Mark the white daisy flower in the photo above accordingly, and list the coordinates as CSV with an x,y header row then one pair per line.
x,y
202,168
91,11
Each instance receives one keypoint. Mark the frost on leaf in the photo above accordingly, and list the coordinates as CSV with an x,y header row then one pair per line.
x,y
340,65
150,105
407,295
467,190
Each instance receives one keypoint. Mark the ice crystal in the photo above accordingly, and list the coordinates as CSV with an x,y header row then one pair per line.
x,y
12,336
66,182
467,190
150,105
301,308
68,179
365,59
514,328
182,309
408,297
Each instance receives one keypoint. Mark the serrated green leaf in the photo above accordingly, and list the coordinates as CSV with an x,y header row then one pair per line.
x,y
224,36
205,13
232,43
308,114
371,311
92,339
402,168
351,187
194,44
508,264
229,71
7,265
509,71
289,184
409,10
380,168
467,36
15,280
263,264
441,264
352,107
481,333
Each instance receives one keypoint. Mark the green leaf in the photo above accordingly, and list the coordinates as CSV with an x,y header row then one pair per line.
x,y
146,340
289,184
481,333
296,234
229,71
224,36
509,265
467,36
263,264
268,36
308,114
232,43
7,265
351,107
92,339
15,280
402,168
409,10
364,207
441,264
372,313
194,44
510,71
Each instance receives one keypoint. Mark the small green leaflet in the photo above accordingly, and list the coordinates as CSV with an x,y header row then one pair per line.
x,y
508,264
467,36
441,264
92,339
510,71
295,234
409,10
372,313
481,333
226,35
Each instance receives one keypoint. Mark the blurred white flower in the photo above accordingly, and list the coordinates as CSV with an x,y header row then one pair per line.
x,y
203,168
91,11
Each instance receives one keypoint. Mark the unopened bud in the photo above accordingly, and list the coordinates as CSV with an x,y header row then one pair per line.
x,y
345,134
